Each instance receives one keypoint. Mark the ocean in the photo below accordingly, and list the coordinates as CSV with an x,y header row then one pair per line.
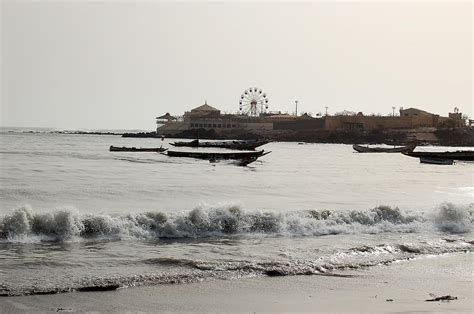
x,y
76,217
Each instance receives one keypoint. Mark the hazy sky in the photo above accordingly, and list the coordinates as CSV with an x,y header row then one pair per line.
x,y
119,64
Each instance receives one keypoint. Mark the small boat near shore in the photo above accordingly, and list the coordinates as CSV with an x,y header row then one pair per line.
x,y
193,143
212,156
135,149
436,161
464,155
399,149
229,144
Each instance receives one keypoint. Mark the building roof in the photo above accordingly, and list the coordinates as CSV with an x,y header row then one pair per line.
x,y
205,107
415,110
305,116
166,116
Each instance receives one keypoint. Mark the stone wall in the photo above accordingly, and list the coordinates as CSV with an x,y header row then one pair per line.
x,y
378,122
296,125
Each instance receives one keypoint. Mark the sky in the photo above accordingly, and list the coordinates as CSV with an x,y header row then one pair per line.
x,y
119,64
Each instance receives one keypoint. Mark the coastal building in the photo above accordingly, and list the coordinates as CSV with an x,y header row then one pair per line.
x,y
410,118
206,117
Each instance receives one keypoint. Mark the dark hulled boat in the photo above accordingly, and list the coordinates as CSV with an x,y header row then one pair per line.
x,y
218,155
135,149
194,143
465,155
436,161
399,149
230,144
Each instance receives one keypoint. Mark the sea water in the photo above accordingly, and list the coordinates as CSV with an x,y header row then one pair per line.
x,y
74,216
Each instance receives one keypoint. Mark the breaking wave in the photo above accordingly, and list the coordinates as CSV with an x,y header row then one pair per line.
x,y
454,220
24,224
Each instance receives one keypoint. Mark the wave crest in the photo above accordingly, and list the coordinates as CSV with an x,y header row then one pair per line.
x,y
454,219
24,223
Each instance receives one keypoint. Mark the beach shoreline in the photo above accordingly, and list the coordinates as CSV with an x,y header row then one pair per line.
x,y
399,287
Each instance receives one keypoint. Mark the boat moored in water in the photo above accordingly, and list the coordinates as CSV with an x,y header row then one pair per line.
x,y
465,155
240,155
436,161
229,144
399,149
193,143
135,149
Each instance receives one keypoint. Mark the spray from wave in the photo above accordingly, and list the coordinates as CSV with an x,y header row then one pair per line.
x,y
65,225
453,220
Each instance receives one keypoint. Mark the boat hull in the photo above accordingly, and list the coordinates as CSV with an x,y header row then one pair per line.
x,y
194,143
238,145
436,161
364,149
134,149
457,155
217,155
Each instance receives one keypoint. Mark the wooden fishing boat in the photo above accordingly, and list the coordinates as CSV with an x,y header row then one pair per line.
x,y
436,161
230,144
399,149
135,149
241,155
465,155
193,143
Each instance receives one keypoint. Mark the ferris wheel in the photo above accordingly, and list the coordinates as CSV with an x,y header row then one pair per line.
x,y
253,102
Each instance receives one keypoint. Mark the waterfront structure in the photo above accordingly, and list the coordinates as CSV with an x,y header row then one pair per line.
x,y
209,118
206,117
410,118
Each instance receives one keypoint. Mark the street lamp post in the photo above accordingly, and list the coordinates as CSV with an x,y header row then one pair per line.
x,y
393,114
326,110
296,102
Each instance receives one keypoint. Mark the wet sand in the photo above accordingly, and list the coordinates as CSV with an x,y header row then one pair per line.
x,y
399,287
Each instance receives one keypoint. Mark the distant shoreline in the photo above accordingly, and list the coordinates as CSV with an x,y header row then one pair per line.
x,y
66,132
439,137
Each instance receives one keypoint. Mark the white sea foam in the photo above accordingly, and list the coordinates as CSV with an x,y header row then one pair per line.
x,y
454,219
24,223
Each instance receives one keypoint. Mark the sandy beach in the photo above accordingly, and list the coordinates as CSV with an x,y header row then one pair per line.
x,y
399,287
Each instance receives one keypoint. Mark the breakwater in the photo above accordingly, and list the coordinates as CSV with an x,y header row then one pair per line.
x,y
442,137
